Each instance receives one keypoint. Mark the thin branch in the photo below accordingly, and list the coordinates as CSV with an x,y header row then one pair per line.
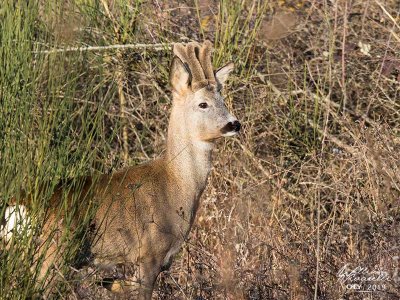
x,y
388,14
155,47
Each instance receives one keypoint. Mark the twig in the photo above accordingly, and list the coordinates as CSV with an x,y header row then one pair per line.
x,y
388,14
391,18
123,114
155,47
343,63
177,284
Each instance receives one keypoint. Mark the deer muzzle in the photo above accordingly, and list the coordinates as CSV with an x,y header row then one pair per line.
x,y
231,128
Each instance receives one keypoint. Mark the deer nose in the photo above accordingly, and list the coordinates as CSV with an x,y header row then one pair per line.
x,y
231,127
236,126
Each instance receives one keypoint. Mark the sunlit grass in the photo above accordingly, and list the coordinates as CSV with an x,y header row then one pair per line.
x,y
53,135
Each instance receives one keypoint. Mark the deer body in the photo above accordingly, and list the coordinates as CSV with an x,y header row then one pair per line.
x,y
146,212
154,200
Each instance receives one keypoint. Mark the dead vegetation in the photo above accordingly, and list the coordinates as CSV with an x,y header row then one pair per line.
x,y
313,182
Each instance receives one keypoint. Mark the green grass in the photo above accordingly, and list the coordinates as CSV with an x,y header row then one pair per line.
x,y
53,133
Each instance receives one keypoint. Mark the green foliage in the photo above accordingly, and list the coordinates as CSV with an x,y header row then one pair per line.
x,y
53,133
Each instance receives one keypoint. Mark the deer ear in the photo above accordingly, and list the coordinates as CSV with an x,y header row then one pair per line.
x,y
179,76
222,73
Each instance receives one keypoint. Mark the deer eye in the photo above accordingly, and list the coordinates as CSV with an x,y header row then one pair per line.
x,y
203,105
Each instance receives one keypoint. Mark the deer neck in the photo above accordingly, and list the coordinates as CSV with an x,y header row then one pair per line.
x,y
188,160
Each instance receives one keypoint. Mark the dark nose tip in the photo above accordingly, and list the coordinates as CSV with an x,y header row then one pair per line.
x,y
236,126
231,126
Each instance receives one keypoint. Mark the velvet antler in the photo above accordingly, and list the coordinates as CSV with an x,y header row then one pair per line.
x,y
198,60
205,61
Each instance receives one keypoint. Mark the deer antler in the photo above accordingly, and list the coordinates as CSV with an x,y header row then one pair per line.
x,y
198,59
205,61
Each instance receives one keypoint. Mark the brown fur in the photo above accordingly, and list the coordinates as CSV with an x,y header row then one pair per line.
x,y
205,61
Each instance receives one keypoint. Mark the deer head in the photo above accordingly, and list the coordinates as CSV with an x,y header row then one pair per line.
x,y
198,103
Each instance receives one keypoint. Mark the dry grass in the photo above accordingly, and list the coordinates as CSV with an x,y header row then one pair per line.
x,y
312,184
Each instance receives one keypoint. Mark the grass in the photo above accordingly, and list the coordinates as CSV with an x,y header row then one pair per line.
x,y
50,136
312,183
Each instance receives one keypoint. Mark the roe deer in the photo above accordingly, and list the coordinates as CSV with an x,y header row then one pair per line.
x,y
146,212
